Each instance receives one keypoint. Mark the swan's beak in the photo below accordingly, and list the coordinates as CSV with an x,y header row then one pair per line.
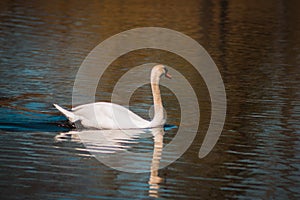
x,y
168,75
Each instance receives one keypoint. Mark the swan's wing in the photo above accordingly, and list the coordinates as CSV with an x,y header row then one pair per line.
x,y
109,116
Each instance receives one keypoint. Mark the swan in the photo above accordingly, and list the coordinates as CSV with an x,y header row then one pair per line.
x,y
105,115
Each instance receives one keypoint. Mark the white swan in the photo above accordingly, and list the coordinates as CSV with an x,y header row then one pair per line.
x,y
104,115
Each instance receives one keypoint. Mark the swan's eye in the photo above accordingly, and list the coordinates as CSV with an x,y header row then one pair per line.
x,y
166,70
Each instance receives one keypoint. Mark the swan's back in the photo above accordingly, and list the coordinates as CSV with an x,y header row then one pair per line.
x,y
106,115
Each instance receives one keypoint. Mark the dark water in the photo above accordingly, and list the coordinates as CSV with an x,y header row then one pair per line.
x,y
255,44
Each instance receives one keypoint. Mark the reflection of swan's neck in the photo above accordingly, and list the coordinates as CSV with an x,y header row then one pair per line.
x,y
155,180
158,118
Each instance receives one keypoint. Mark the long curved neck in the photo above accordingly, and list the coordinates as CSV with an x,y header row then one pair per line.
x,y
158,118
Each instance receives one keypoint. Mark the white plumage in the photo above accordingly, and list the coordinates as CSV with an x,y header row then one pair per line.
x,y
105,115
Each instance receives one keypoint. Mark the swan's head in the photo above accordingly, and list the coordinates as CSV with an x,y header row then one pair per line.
x,y
159,71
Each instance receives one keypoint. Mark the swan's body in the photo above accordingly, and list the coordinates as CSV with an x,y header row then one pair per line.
x,y
104,115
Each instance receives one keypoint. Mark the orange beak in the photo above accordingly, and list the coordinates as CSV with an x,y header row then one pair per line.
x,y
168,75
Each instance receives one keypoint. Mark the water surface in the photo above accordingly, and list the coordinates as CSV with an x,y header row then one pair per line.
x,y
256,46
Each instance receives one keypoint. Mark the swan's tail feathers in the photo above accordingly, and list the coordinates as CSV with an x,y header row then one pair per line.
x,y
71,116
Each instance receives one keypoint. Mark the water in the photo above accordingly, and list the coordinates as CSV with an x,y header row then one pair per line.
x,y
256,46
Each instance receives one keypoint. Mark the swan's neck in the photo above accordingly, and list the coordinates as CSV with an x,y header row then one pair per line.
x,y
158,118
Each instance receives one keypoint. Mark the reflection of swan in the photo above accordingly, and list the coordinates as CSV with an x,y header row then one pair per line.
x,y
154,179
112,147
103,141
104,115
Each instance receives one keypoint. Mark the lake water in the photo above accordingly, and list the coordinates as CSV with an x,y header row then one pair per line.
x,y
256,46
